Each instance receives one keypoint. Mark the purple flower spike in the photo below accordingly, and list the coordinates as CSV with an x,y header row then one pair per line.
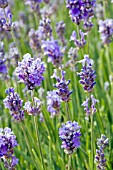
x,y
89,106
3,68
87,74
79,43
33,108
80,10
3,3
62,86
53,102
30,71
7,144
14,103
53,51
70,134
106,30
100,159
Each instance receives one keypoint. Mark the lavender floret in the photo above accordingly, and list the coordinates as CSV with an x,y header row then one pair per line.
x,y
70,134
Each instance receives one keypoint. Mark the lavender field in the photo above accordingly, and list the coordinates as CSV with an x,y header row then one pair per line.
x,y
56,84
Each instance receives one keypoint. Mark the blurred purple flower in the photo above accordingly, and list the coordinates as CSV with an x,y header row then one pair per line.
x,y
53,51
106,30
79,43
3,68
80,10
7,144
53,102
70,134
14,103
33,108
30,71
87,74
62,86
89,106
3,3
100,159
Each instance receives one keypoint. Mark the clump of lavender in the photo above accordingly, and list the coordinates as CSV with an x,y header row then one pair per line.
x,y
30,71
14,103
62,86
89,106
70,134
87,74
33,108
100,159
79,43
81,10
106,30
53,103
60,29
53,51
7,144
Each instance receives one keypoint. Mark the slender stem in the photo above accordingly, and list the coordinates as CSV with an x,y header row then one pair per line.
x,y
69,163
37,135
67,111
92,162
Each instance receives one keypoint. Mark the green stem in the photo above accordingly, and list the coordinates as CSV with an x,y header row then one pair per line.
x,y
37,135
92,162
67,111
69,163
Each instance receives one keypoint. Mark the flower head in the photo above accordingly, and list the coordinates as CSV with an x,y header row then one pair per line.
x,y
106,30
100,159
89,106
53,102
3,3
87,74
30,71
14,103
62,86
33,108
70,134
7,144
53,51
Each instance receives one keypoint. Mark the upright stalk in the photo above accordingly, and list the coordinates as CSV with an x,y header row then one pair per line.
x,y
69,163
92,162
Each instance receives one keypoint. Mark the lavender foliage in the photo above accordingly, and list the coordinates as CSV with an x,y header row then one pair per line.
x,y
30,71
70,134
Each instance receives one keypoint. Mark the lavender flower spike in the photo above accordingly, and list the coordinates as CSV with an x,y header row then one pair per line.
x,y
87,74
70,134
7,144
33,108
14,103
53,102
89,106
3,3
100,159
106,30
30,71
62,86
